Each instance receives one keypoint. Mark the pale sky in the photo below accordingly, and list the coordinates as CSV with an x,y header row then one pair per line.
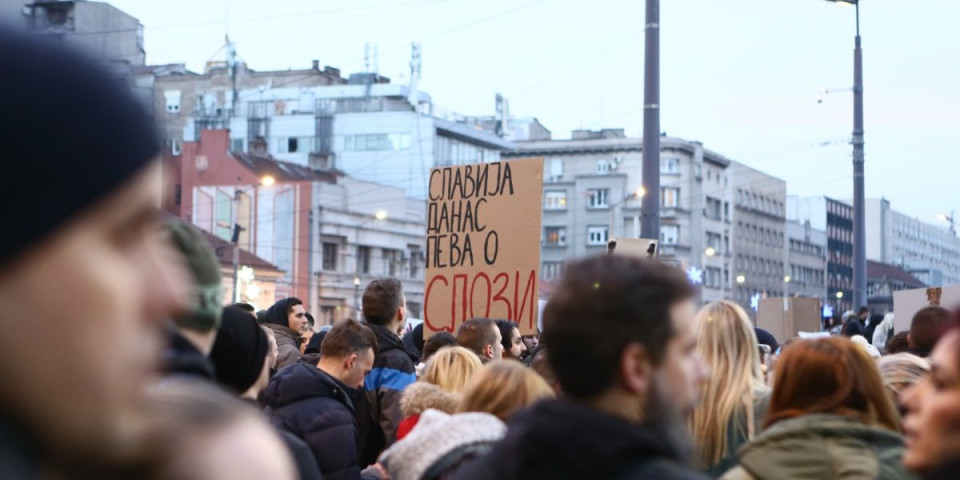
x,y
741,76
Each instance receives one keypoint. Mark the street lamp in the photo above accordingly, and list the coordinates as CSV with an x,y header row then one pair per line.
x,y
859,222
268,181
949,219
379,215
741,279
710,251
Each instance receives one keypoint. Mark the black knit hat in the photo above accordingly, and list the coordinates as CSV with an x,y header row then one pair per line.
x,y
71,132
240,350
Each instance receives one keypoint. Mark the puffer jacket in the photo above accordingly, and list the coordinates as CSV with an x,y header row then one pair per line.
x,y
379,411
417,398
821,447
318,409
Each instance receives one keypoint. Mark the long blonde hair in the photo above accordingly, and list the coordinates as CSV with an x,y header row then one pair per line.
x,y
451,368
501,388
727,342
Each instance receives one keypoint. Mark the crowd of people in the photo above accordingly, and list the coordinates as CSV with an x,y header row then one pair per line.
x,y
150,377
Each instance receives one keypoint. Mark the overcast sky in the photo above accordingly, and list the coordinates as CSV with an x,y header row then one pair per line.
x,y
741,76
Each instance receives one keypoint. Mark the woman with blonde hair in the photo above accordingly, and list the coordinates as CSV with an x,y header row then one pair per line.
x,y
441,443
829,418
734,399
502,388
444,377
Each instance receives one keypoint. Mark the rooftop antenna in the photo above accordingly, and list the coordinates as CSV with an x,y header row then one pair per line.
x,y
413,96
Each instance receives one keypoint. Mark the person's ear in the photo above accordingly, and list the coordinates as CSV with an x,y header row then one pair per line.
x,y
350,361
488,351
401,313
636,369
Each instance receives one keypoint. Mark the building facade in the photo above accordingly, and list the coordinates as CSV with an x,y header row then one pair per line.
x,y
101,29
328,234
807,257
884,279
760,250
928,251
836,218
592,194
369,129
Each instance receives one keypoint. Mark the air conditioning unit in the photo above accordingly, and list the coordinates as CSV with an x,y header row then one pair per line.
x,y
617,159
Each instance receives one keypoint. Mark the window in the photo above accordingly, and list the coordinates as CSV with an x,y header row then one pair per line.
x,y
669,234
174,145
597,236
292,144
670,197
712,208
551,271
598,198
603,166
714,240
555,236
711,277
555,200
669,165
376,142
416,258
556,169
391,259
363,259
236,145
328,314
172,98
330,256
223,223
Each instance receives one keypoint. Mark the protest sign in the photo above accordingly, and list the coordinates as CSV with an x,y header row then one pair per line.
x,y
906,303
483,244
786,318
635,247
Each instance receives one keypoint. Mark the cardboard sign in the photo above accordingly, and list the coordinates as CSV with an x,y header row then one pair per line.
x,y
800,315
636,247
483,244
906,303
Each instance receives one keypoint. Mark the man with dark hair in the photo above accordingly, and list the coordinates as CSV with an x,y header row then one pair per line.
x,y
481,336
288,319
622,344
313,402
84,261
393,370
926,328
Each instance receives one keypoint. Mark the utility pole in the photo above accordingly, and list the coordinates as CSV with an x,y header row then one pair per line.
x,y
650,226
859,222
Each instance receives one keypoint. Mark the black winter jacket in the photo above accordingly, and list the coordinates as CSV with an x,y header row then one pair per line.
x,y
560,439
379,412
318,409
18,458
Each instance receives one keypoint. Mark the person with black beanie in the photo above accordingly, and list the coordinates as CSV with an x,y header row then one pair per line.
x,y
81,253
240,358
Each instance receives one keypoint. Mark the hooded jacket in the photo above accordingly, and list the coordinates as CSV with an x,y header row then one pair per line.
x,y
379,414
561,439
821,447
288,340
417,398
318,409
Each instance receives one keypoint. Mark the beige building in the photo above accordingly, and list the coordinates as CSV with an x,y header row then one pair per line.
x,y
760,246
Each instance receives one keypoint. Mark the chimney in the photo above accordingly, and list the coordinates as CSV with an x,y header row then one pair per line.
x,y
316,64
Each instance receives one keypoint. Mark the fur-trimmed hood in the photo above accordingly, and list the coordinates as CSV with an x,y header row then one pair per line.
x,y
421,395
